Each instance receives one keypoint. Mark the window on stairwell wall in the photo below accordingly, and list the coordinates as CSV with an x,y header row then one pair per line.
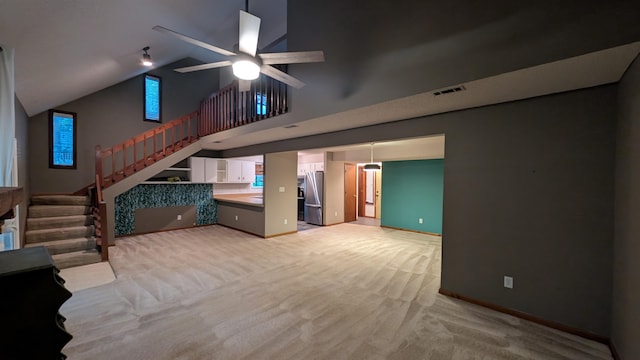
x,y
152,98
261,104
62,139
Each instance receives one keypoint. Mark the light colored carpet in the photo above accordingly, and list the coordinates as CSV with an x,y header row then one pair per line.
x,y
87,276
337,292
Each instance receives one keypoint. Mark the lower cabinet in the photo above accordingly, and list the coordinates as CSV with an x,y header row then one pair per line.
x,y
32,293
242,217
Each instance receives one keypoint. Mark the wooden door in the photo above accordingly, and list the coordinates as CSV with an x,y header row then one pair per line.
x,y
349,192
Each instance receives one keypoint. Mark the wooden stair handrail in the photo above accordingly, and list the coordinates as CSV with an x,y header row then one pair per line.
x,y
225,109
142,150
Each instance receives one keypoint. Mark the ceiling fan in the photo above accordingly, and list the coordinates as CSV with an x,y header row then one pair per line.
x,y
247,63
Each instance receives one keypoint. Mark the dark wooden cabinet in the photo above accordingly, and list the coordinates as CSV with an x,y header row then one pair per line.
x,y
31,293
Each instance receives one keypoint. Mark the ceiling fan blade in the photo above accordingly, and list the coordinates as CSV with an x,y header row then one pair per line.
x,y
292,57
281,76
244,85
249,31
203,66
193,41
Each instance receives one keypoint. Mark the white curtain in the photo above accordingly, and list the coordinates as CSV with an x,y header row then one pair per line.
x,y
7,117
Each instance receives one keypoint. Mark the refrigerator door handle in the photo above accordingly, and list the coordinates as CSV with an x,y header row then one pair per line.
x,y
313,205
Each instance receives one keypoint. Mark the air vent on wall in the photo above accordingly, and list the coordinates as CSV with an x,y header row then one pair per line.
x,y
450,90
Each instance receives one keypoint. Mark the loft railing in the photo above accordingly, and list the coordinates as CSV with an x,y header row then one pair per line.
x,y
229,108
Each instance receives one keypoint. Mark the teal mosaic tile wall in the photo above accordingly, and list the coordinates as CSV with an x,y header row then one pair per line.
x,y
164,195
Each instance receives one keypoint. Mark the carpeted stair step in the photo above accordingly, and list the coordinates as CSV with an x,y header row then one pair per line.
x,y
67,245
60,200
38,236
58,222
76,258
40,211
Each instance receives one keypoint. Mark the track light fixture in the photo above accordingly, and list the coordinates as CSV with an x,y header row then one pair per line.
x,y
146,58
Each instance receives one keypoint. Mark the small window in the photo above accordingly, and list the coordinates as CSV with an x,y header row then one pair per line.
x,y
62,139
152,98
261,104
259,182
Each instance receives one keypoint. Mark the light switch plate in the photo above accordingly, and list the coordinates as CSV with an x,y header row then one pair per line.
x,y
281,189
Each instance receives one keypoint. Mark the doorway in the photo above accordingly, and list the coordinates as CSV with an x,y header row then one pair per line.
x,y
368,193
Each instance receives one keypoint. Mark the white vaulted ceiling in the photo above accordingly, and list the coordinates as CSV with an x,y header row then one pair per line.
x,y
68,49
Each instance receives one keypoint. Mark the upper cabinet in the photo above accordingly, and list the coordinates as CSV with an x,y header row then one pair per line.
x,y
309,167
248,171
210,170
197,165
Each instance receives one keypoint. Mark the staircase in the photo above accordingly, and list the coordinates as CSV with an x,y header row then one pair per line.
x,y
64,225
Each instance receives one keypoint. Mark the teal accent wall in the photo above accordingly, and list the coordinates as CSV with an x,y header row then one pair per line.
x,y
413,190
164,195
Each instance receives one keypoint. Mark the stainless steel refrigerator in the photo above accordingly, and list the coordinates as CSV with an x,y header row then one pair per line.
x,y
314,186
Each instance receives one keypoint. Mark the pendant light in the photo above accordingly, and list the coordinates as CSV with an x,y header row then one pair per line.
x,y
371,166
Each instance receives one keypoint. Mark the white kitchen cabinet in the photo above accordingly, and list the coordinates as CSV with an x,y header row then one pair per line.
x,y
230,171
211,174
234,171
248,171
310,167
207,170
197,173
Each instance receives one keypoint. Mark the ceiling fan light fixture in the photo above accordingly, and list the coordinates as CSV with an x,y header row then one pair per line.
x,y
146,58
246,69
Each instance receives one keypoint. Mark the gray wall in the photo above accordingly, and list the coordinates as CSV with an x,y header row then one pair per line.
x,y
626,247
527,193
528,189
381,50
109,117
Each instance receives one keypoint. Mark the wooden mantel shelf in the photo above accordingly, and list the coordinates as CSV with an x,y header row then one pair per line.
x,y
9,198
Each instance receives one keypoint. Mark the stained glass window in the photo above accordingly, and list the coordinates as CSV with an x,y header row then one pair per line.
x,y
152,98
62,139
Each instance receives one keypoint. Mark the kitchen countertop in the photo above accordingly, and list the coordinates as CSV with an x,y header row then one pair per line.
x,y
253,199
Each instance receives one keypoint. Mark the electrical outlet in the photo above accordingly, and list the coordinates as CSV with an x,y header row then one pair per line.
x,y
335,213
179,217
236,217
281,189
508,282
285,221
420,221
